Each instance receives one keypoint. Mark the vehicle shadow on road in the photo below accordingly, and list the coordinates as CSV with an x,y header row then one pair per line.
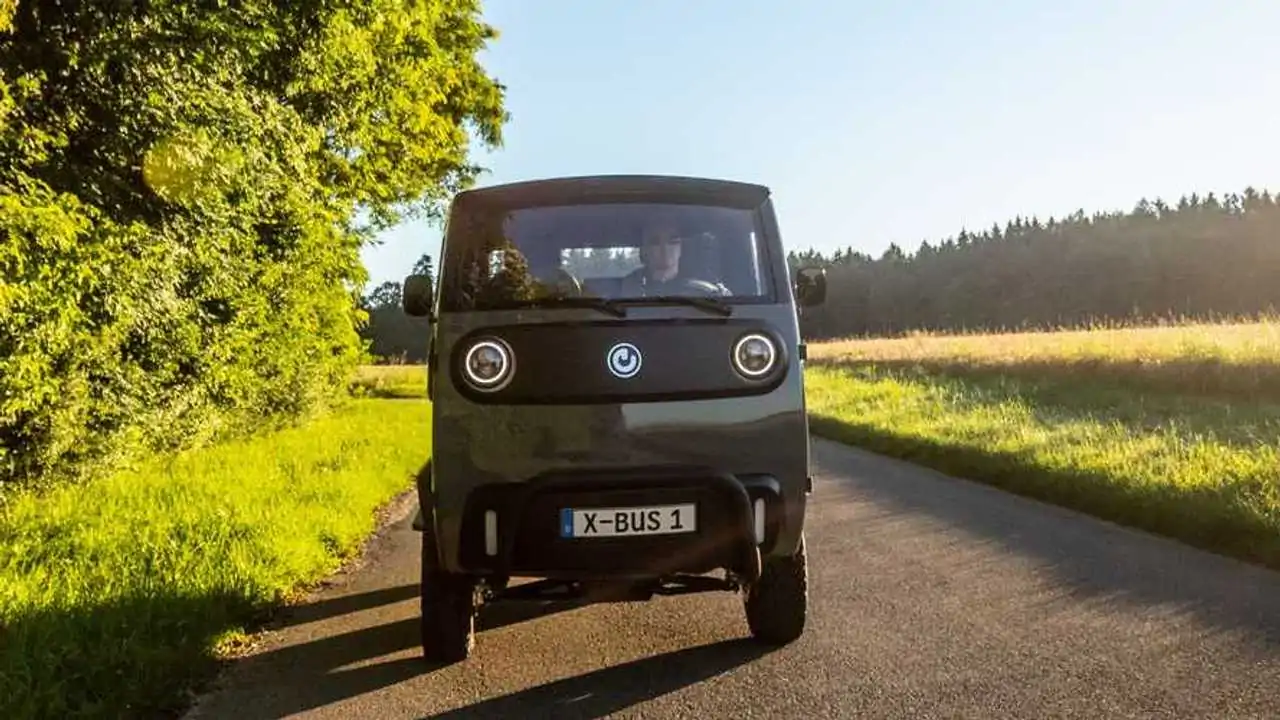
x,y
350,604
1088,558
332,667
613,689
492,615
503,613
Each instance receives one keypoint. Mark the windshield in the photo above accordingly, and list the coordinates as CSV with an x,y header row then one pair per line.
x,y
610,251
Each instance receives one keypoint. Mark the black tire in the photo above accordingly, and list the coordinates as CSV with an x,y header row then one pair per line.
x,y
448,608
777,605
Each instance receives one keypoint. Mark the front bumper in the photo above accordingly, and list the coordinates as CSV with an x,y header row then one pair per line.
x,y
513,528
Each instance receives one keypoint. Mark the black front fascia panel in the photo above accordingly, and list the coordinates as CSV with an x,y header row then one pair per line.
x,y
567,363
528,521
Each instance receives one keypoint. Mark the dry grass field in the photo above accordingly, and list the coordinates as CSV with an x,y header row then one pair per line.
x,y
1172,429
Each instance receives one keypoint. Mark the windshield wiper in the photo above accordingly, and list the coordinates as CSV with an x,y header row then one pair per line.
x,y
709,304
616,307
594,303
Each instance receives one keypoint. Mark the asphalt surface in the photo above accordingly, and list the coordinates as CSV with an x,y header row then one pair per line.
x,y
931,598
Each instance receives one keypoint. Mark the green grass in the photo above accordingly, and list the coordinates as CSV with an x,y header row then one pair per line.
x,y
116,595
1051,416
390,381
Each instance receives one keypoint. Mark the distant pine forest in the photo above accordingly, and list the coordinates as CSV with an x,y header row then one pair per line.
x,y
1205,258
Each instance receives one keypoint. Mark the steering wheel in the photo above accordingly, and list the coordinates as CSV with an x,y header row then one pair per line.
x,y
563,281
703,287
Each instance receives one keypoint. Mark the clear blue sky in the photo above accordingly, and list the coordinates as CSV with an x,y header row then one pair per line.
x,y
892,121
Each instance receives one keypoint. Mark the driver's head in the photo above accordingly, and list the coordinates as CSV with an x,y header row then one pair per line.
x,y
660,250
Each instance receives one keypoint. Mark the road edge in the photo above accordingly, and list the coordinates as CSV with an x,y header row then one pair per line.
x,y
979,484
386,516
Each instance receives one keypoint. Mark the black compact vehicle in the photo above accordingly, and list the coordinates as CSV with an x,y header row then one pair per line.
x,y
615,370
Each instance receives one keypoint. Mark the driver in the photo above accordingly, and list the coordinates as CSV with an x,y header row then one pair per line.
x,y
659,269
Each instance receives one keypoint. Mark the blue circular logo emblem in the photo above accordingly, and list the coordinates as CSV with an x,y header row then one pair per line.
x,y
623,360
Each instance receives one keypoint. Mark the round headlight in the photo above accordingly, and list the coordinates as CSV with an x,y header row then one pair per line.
x,y
754,355
488,364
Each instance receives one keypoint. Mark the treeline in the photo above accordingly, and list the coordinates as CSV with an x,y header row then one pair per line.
x,y
184,191
1204,257
391,336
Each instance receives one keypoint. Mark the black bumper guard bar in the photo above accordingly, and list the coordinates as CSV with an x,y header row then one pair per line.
x,y
518,503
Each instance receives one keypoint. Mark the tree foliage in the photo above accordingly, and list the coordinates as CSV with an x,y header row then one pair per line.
x,y
1204,258
391,334
180,189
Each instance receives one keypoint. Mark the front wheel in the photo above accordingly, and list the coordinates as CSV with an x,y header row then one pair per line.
x,y
448,607
777,605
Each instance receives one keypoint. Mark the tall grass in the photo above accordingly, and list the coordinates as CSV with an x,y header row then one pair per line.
x,y
390,381
1232,360
1175,429
115,595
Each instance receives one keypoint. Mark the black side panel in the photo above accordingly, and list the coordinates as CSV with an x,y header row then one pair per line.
x,y
567,363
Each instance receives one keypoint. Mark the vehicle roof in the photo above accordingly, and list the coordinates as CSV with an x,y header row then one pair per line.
x,y
606,188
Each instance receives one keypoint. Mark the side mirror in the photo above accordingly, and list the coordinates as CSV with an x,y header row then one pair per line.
x,y
811,285
416,297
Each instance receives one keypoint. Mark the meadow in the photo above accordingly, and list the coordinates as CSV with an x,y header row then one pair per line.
x,y
390,381
1171,429
121,595
1239,359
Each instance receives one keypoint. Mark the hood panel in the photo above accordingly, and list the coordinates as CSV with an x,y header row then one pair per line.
x,y
564,409
750,435
606,362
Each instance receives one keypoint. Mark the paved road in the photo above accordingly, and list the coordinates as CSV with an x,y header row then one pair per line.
x,y
932,598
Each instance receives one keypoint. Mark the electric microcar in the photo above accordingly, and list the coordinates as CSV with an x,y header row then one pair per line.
x,y
617,398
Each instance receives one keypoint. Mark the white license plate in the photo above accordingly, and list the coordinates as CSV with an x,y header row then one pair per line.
x,y
628,521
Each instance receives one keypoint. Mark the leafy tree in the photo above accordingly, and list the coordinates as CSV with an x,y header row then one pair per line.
x,y
390,333
386,295
180,192
423,267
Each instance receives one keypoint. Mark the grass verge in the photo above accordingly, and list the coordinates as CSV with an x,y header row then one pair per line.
x,y
390,381
116,595
1201,470
1236,361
